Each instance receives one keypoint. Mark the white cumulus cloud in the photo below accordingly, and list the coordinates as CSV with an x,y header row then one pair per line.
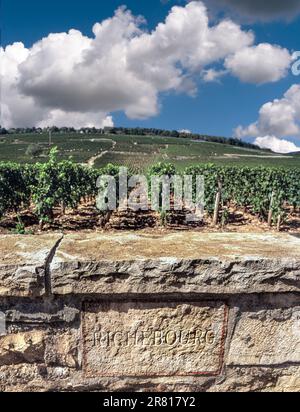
x,y
276,145
213,75
277,119
71,79
260,64
281,117
185,131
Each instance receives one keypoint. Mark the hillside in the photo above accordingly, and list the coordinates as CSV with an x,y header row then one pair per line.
x,y
138,152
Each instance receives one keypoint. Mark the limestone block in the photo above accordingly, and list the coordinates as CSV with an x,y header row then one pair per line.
x,y
22,264
266,338
190,262
154,339
25,347
62,349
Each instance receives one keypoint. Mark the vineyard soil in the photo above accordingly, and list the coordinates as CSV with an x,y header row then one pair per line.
x,y
86,218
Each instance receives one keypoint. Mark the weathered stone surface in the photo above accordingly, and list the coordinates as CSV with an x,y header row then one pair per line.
x,y
22,264
27,347
150,312
62,349
266,337
189,262
153,339
289,382
42,313
258,379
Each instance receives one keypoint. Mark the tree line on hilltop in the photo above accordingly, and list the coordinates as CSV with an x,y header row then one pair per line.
x,y
137,131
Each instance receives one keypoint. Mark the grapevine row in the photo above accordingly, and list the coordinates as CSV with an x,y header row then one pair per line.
x,y
262,191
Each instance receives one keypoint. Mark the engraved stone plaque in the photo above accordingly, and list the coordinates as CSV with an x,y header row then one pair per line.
x,y
153,339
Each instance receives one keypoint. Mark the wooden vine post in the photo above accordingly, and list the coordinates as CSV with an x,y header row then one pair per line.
x,y
217,204
279,222
270,215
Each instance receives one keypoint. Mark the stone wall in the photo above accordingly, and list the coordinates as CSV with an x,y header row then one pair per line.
x,y
180,311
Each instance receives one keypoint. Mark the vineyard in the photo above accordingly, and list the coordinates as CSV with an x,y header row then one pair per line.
x,y
50,190
138,152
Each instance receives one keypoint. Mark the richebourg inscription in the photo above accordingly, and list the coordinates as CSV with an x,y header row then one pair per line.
x,y
198,338
142,338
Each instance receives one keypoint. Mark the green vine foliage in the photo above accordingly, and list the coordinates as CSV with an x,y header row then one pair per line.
x,y
158,170
256,189
162,169
65,184
15,182
62,184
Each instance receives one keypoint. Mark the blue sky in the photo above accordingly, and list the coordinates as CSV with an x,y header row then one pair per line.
x,y
216,108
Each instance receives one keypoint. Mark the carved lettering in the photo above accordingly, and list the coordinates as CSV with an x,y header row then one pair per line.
x,y
142,338
196,338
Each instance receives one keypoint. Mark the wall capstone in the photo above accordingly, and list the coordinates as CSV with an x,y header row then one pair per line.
x,y
174,311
